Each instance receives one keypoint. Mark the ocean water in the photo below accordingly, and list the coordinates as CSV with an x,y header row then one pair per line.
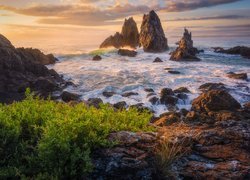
x,y
125,74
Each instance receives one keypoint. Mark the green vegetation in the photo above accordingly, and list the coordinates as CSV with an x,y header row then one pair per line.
x,y
44,139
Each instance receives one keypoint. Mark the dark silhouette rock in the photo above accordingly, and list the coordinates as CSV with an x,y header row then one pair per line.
x,y
242,76
22,68
126,52
215,100
97,58
185,51
120,105
67,96
158,60
108,94
238,50
128,37
152,36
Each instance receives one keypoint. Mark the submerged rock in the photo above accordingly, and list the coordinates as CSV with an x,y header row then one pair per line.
x,y
158,60
152,37
238,50
128,94
97,58
242,76
174,72
128,37
126,52
185,51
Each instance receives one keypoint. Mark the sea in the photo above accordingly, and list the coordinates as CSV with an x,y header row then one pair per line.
x,y
121,74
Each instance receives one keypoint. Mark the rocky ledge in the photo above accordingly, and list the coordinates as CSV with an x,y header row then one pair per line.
x,y
238,50
185,51
152,36
21,68
128,37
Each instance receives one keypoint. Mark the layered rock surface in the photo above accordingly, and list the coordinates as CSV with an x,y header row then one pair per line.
x,y
185,51
22,68
152,36
129,36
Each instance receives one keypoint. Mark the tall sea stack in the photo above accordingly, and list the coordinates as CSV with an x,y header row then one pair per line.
x,y
152,36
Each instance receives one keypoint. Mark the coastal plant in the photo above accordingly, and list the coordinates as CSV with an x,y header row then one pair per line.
x,y
45,139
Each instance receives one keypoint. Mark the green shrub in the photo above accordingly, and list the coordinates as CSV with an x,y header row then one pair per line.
x,y
41,138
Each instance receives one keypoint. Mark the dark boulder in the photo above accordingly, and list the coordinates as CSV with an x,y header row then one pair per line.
x,y
154,100
167,97
108,94
215,100
242,76
157,60
120,105
128,94
126,52
182,90
94,102
67,96
212,86
185,51
97,58
152,36
174,72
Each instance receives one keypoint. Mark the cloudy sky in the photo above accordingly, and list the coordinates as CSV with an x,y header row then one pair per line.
x,y
63,21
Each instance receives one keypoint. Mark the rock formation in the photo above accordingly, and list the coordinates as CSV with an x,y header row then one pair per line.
x,y
152,36
233,75
126,52
185,51
22,68
238,50
129,36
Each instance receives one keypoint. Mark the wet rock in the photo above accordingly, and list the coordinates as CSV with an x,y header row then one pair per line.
x,y
154,100
238,50
182,96
130,159
120,105
167,97
157,60
128,37
168,69
94,102
67,96
128,94
108,94
126,52
182,90
168,119
141,108
149,90
174,72
166,91
215,100
212,86
97,58
242,76
185,51
152,37
151,94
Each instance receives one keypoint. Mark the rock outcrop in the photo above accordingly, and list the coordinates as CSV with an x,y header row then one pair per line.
x,y
22,68
126,52
238,50
185,51
242,76
152,36
129,36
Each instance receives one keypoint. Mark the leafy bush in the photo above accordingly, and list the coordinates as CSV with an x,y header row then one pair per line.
x,y
43,138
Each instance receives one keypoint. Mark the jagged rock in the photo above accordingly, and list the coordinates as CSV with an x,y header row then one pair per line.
x,y
185,51
97,58
128,37
36,56
212,86
22,68
157,60
152,37
182,90
238,50
215,100
67,96
130,33
242,76
126,52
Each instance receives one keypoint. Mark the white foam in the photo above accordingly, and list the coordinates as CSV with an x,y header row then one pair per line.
x,y
125,74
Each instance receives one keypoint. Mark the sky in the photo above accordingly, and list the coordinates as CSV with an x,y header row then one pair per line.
x,y
83,24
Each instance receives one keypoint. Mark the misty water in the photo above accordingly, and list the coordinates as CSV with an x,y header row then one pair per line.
x,y
125,74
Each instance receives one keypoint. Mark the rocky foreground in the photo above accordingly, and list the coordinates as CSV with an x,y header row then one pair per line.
x,y
212,141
